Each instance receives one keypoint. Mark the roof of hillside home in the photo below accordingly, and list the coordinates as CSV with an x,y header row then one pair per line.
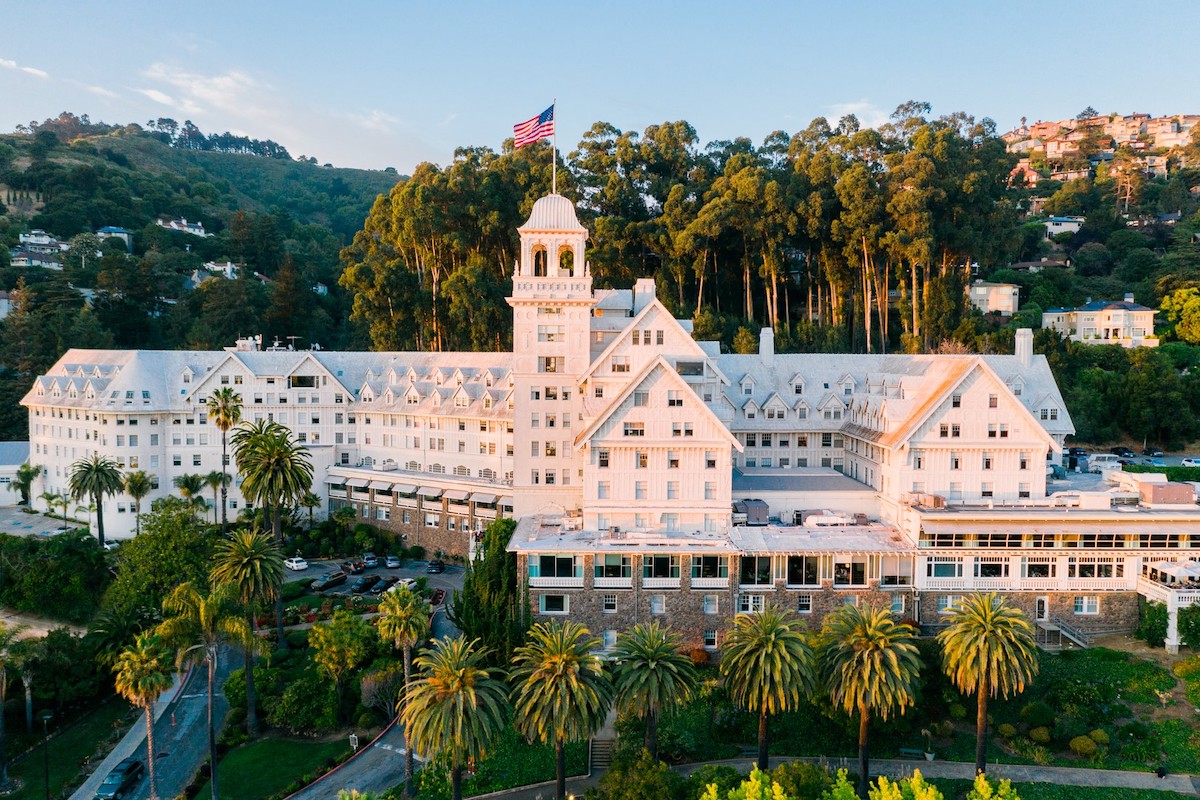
x,y
13,453
1117,305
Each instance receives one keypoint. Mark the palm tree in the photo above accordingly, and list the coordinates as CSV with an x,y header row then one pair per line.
x,y
768,667
652,674
190,486
404,621
250,562
88,509
24,655
8,637
95,476
561,691
216,480
51,499
199,626
27,473
310,501
137,486
113,629
869,663
276,472
456,707
143,673
225,410
988,650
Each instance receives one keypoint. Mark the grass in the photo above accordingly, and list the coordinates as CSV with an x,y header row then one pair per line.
x,y
67,751
263,768
953,789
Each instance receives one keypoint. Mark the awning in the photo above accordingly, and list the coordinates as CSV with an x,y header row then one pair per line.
x,y
335,480
358,483
381,486
483,498
404,488
457,495
506,502
429,491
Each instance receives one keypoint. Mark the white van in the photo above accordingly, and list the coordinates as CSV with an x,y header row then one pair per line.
x,y
1102,461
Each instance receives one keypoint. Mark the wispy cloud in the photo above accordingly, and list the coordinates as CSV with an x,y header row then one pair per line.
x,y
34,71
374,120
869,115
101,91
159,97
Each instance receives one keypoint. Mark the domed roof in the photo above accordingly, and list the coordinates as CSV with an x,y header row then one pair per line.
x,y
552,213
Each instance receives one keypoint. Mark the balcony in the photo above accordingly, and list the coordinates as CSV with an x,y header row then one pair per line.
x,y
710,583
556,583
613,583
660,583
1097,584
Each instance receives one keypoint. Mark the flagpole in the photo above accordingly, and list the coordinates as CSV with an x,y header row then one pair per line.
x,y
554,151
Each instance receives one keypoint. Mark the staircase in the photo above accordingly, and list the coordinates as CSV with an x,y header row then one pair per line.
x,y
600,755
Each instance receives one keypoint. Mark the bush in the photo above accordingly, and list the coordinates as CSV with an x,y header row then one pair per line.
x,y
1152,623
801,780
1083,746
1040,734
367,719
235,688
1038,715
308,706
699,656
297,640
1067,727
1034,752
415,553
1006,730
725,778
958,711
294,590
1188,669
945,729
1099,736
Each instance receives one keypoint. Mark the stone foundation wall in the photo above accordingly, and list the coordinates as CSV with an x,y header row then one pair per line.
x,y
417,533
1118,610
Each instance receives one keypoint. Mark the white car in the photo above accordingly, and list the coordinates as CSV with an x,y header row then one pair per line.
x,y
403,583
295,563
1190,462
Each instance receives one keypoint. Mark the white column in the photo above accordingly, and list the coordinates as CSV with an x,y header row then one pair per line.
x,y
1172,627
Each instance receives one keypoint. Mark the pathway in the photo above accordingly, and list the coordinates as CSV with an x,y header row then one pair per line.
x,y
378,767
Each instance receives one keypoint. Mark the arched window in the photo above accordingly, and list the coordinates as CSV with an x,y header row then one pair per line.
x,y
539,262
566,261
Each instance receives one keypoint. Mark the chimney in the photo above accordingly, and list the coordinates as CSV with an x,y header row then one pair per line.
x,y
1129,297
643,294
1024,346
766,345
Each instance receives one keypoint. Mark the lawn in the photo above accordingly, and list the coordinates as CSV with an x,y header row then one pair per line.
x,y
953,789
67,752
266,767
510,763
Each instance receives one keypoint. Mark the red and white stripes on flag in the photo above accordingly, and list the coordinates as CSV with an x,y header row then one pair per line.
x,y
531,130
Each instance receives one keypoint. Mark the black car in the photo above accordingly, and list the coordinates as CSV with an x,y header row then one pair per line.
x,y
1078,452
436,567
383,584
328,581
363,584
1123,452
121,780
1152,452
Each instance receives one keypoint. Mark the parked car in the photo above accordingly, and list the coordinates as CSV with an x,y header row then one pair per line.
x,y
354,566
393,562
439,597
1078,452
1154,452
363,584
121,780
370,560
436,567
328,581
1190,461
1154,462
383,584
295,563
1123,452
1126,462
1100,461
403,583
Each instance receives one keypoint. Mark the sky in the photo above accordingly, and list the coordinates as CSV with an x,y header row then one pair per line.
x,y
394,83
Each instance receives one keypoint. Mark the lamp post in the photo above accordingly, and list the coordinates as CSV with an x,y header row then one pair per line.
x,y
46,717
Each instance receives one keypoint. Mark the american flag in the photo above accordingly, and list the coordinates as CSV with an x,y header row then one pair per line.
x,y
531,130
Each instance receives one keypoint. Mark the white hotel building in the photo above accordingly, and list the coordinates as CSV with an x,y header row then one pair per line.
x,y
651,474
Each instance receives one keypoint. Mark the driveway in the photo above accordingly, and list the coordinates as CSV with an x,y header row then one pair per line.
x,y
16,522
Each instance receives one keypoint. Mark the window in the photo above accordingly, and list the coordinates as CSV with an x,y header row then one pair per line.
x,y
608,603
991,431
552,566
1087,605
986,489
955,431
612,566
943,567
710,459
1023,490
641,459
803,571
826,440
986,567
620,363
850,571
635,429
943,430
1003,431
1038,567
755,571
947,602
804,604
710,567
674,398
550,363
554,604
993,401
658,604
602,490
602,458
712,604
639,490
897,604
641,398
710,490
672,459
657,566
672,490
751,603
710,640
956,401
918,459
987,460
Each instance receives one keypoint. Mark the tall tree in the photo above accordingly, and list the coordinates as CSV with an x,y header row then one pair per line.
x,y
8,637
197,627
652,673
767,667
404,621
22,483
190,486
339,646
143,673
490,606
137,486
218,481
869,664
456,708
561,691
250,562
95,477
988,650
225,411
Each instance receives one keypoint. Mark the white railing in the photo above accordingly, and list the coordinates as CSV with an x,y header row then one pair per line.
x,y
756,587
814,587
613,583
556,583
1038,584
660,583
1097,585
337,493
710,583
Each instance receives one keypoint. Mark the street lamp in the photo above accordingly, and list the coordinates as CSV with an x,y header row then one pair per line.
x,y
46,717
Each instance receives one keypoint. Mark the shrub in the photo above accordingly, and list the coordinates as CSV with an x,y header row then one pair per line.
x,y
1187,669
945,729
1040,734
366,720
235,688
698,655
294,590
1067,727
1084,746
1038,715
801,780
1034,752
308,706
958,711
1006,730
1099,736
297,640
415,553
1152,623
725,778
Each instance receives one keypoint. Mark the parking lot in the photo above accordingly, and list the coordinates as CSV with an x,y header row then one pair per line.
x,y
16,522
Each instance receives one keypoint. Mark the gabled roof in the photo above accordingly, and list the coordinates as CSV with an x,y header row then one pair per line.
x,y
633,323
